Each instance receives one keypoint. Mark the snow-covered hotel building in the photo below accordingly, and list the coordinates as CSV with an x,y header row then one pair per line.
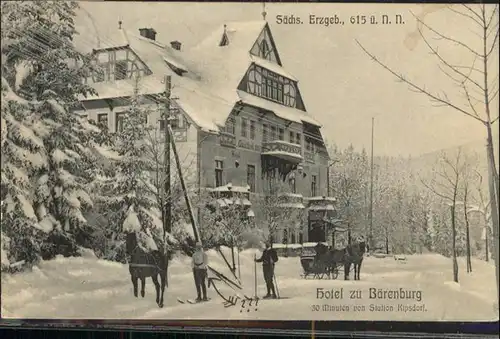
x,y
240,121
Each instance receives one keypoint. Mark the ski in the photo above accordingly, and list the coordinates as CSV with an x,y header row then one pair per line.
x,y
191,301
280,298
258,298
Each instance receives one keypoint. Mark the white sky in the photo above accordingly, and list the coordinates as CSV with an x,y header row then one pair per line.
x,y
341,86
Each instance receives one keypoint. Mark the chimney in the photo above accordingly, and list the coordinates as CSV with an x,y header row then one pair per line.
x,y
149,33
176,45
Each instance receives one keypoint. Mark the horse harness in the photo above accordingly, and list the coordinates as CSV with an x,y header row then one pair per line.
x,y
145,265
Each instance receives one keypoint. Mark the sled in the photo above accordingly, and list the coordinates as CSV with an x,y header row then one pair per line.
x,y
317,270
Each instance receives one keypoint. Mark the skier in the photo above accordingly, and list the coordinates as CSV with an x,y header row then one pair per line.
x,y
268,259
199,265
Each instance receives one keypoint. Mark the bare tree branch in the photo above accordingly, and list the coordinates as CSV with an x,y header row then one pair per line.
x,y
493,95
418,88
442,36
493,44
473,12
465,15
491,17
439,194
469,100
445,176
491,30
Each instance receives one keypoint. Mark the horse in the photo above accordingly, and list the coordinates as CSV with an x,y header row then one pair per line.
x,y
147,264
353,255
334,258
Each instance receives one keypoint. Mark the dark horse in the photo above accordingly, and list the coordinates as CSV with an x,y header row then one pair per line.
x,y
147,264
354,256
350,255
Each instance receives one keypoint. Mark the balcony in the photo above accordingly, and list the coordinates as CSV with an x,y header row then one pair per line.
x,y
290,200
309,156
283,150
227,139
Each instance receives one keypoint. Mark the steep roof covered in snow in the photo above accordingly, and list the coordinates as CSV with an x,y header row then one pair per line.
x,y
205,78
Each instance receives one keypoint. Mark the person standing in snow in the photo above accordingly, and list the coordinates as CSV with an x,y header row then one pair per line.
x,y
268,259
199,264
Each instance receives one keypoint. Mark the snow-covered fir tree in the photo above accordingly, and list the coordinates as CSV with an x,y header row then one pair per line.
x,y
38,56
63,191
47,153
130,204
23,157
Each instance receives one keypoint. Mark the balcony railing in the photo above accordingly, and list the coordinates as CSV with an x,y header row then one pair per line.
x,y
291,200
227,139
284,150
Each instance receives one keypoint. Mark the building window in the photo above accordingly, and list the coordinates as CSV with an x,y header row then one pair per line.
x,y
121,70
265,135
264,50
293,186
292,137
309,145
120,120
230,126
102,119
251,177
175,121
294,238
273,133
289,94
270,85
244,127
298,139
219,169
252,129
100,72
313,185
281,134
272,88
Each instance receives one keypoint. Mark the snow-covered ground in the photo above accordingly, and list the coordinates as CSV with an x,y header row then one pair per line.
x,y
95,289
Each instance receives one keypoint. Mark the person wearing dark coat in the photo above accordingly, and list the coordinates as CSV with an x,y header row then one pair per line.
x,y
199,264
268,259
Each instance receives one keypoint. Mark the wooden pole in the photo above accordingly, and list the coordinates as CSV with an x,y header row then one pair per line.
x,y
239,270
371,190
255,274
167,218
486,233
196,232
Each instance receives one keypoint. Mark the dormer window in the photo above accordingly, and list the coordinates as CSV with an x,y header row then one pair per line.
x,y
264,50
272,86
99,73
224,41
175,66
121,70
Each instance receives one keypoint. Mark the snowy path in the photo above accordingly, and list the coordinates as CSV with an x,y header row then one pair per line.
x,y
89,288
